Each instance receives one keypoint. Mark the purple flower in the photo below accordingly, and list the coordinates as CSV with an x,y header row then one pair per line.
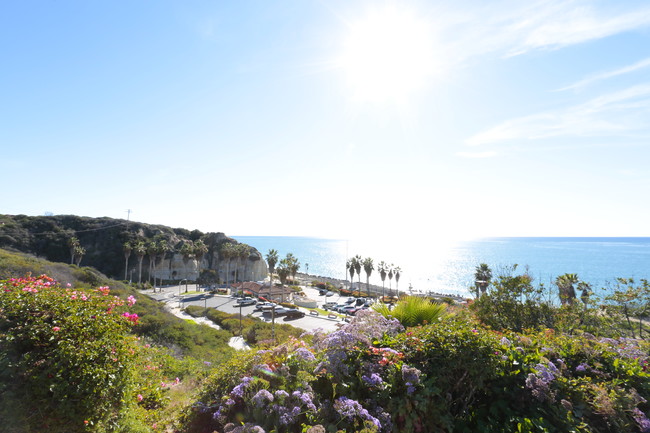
x,y
238,391
642,420
281,393
545,373
262,397
505,341
349,408
305,354
539,388
373,380
582,367
411,375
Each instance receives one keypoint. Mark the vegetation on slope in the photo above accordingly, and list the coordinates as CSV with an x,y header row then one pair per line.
x,y
101,241
451,376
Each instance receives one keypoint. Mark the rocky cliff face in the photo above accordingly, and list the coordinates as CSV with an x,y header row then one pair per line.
x,y
176,267
103,240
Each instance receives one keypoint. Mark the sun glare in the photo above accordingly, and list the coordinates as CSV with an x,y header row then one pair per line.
x,y
388,55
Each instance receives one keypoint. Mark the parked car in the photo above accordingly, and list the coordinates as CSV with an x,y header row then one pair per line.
x,y
294,313
260,305
329,305
322,292
339,307
350,310
279,311
244,302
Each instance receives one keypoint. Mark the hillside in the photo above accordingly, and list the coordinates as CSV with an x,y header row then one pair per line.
x,y
103,239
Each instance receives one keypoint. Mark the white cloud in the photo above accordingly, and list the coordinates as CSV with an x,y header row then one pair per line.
x,y
617,114
608,74
511,28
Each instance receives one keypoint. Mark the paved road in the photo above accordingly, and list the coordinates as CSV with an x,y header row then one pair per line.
x,y
224,303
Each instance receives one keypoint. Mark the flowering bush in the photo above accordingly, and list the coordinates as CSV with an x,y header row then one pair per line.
x,y
67,359
373,375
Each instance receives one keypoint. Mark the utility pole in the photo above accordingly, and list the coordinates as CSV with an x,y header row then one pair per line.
x,y
128,216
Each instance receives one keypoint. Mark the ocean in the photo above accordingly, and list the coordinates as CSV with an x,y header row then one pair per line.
x,y
448,267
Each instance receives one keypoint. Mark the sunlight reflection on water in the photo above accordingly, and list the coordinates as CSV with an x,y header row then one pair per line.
x,y
448,266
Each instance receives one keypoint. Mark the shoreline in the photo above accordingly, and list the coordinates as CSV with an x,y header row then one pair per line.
x,y
373,290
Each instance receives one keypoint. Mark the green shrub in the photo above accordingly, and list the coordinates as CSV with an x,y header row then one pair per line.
x,y
67,360
413,311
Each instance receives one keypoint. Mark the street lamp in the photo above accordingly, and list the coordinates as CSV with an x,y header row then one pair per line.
x,y
180,284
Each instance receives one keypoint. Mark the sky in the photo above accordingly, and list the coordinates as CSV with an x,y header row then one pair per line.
x,y
336,119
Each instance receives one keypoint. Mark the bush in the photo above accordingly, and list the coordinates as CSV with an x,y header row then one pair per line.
x,y
67,360
371,376
413,311
513,303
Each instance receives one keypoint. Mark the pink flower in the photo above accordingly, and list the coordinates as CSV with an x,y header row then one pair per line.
x,y
56,329
140,397
130,300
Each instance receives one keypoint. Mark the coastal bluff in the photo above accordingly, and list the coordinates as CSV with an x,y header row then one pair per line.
x,y
103,239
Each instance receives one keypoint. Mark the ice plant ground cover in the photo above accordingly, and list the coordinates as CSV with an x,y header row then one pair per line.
x,y
373,375
68,361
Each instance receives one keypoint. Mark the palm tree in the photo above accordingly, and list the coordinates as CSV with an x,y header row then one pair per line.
x,y
482,277
237,253
283,273
152,252
349,265
161,251
357,261
397,271
140,251
293,264
243,252
227,252
383,269
127,248
200,249
368,267
79,252
73,243
187,252
565,287
390,279
586,291
272,260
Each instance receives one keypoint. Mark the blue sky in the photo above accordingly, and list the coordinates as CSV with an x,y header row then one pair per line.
x,y
331,118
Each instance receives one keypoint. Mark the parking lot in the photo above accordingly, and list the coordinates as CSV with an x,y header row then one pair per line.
x,y
175,297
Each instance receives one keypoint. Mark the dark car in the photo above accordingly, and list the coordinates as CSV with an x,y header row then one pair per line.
x,y
293,313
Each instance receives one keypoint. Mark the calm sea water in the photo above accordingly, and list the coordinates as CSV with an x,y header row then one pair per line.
x,y
449,267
